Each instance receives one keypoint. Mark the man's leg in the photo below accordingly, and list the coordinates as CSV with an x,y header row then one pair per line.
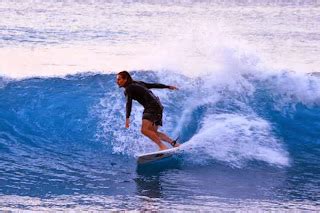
x,y
148,130
163,136
166,138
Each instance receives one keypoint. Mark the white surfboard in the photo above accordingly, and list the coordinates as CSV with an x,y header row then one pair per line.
x,y
154,156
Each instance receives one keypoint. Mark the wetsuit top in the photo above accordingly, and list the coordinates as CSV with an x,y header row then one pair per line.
x,y
139,91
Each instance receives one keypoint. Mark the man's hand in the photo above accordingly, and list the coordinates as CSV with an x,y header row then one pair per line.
x,y
173,88
127,123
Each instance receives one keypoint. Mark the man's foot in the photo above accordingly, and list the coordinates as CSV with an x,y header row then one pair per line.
x,y
162,147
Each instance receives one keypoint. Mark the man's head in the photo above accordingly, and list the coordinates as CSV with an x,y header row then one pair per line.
x,y
124,79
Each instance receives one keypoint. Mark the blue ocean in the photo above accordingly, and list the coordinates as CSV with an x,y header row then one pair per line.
x,y
247,110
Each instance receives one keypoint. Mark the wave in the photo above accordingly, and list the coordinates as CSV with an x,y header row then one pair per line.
x,y
251,117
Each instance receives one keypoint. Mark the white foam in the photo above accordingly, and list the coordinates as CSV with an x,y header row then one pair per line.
x,y
290,88
236,139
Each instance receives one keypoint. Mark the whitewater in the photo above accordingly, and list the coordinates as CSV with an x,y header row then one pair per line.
x,y
247,109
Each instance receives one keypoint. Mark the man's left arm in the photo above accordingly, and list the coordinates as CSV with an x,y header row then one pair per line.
x,y
159,86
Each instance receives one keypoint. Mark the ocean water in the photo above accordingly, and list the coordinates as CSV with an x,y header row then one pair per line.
x,y
247,110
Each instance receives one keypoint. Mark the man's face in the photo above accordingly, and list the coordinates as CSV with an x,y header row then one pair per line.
x,y
121,81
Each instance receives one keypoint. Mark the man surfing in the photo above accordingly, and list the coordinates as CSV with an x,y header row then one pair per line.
x,y
152,114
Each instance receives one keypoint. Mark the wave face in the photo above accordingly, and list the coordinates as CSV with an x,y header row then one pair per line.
x,y
66,136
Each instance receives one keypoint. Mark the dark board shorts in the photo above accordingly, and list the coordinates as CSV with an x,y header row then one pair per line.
x,y
154,115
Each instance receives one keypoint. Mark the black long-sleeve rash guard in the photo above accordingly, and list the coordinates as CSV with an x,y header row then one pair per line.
x,y
139,91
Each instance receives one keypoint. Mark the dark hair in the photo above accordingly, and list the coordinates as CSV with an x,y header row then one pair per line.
x,y
124,74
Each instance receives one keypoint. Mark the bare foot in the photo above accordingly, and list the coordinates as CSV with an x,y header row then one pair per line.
x,y
177,145
162,147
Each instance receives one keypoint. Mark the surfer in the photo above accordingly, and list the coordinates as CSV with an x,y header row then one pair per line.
x,y
152,114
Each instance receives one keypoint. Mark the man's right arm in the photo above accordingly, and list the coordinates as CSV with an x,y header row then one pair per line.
x,y
128,107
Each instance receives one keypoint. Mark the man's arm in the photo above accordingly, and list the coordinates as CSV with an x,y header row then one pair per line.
x,y
158,86
128,108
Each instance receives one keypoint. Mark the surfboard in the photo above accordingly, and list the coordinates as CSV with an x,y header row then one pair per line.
x,y
158,155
